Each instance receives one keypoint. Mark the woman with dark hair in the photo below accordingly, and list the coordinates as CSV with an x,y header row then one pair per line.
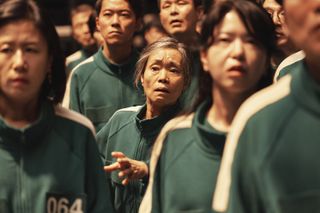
x,y
126,140
48,155
237,42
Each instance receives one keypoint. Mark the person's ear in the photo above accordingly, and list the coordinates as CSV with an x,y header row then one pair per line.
x,y
97,24
204,60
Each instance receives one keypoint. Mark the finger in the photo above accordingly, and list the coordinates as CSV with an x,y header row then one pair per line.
x,y
125,181
125,173
118,155
112,167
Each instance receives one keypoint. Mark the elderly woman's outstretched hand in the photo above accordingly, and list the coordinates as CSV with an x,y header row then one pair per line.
x,y
128,168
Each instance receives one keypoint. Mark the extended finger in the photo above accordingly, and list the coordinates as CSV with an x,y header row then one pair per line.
x,y
113,167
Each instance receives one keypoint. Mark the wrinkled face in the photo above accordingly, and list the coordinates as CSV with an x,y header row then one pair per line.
x,y
24,61
277,14
234,60
80,29
178,16
163,79
303,22
116,22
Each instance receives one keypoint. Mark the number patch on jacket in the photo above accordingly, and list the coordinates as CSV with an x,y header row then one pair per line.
x,y
65,203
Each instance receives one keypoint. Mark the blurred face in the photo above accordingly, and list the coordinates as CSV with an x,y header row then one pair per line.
x,y
163,79
154,34
303,22
178,16
277,14
234,61
24,62
116,22
80,29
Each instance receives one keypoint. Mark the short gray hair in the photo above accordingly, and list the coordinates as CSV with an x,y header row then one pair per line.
x,y
164,43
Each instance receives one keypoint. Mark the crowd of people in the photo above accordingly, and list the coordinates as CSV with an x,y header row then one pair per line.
x,y
217,110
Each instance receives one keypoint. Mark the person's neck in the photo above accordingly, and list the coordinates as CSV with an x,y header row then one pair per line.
x,y
19,115
117,54
313,68
154,111
224,107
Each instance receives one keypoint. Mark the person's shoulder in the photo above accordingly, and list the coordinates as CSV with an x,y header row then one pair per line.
x,y
125,113
73,57
267,101
74,118
287,64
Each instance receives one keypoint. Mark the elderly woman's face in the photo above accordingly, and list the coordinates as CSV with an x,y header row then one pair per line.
x,y
163,78
24,61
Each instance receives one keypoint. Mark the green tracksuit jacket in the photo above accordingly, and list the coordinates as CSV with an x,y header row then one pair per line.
x,y
52,166
76,58
98,88
185,175
129,133
275,142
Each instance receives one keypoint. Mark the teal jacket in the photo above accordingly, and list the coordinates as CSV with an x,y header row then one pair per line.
x,y
129,133
276,141
185,175
51,165
98,88
76,58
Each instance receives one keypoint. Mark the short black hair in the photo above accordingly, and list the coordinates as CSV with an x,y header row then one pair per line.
x,y
134,4
196,3
53,87
280,2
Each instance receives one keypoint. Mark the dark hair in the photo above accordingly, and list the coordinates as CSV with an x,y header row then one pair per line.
x,y
280,2
196,3
258,24
134,4
14,10
164,43
80,8
92,23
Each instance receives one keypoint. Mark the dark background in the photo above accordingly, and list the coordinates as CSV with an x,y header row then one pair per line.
x,y
59,9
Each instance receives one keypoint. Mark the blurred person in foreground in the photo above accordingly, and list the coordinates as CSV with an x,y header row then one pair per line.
x,y
238,39
48,155
270,160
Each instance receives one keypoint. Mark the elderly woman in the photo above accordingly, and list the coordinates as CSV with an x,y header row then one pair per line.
x,y
163,70
237,41
48,155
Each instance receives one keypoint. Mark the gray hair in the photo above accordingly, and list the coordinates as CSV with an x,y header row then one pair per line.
x,y
164,43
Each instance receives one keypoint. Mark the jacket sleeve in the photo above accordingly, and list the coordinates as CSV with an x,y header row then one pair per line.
x,y
98,190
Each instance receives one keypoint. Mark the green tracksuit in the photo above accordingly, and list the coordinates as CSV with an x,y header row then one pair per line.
x,y
76,58
185,175
276,141
129,133
98,88
51,166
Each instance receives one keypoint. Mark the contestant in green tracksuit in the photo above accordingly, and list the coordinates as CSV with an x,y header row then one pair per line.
x,y
270,163
49,160
186,156
103,83
98,88
163,70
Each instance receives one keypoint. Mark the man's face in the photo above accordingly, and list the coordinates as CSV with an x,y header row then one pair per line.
x,y
303,22
178,16
80,29
116,22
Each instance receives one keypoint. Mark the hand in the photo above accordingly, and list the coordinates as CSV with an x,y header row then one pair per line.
x,y
129,169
